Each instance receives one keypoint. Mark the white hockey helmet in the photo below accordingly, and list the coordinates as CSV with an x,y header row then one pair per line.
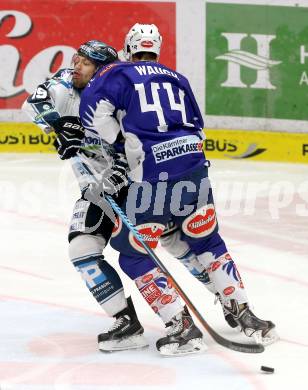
x,y
142,38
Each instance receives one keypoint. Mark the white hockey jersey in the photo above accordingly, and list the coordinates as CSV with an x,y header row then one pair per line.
x,y
56,98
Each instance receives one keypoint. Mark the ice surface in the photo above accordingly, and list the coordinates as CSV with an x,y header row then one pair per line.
x,y
49,321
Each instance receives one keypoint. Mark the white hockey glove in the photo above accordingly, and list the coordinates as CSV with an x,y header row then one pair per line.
x,y
70,133
115,179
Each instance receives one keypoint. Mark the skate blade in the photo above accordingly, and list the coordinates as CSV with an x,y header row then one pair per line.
x,y
270,338
195,346
133,342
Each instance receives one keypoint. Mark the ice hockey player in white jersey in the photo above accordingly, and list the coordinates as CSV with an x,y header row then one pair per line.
x,y
54,106
164,137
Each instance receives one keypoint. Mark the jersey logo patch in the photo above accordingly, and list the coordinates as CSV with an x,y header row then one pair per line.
x,y
150,232
150,293
177,147
201,223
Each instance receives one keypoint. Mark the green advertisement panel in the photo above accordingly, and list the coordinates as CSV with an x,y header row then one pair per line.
x,y
257,61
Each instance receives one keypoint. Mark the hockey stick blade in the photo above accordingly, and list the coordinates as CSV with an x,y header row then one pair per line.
x,y
235,346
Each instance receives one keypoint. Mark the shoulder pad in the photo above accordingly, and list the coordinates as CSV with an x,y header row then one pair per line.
x,y
62,73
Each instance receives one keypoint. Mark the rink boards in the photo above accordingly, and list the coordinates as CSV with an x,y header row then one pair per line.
x,y
221,144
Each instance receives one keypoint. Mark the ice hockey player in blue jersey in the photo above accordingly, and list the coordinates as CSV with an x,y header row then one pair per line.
x,y
155,111
156,140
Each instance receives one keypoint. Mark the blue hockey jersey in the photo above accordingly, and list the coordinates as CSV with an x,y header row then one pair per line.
x,y
155,110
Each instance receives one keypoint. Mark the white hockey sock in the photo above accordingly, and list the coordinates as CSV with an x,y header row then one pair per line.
x,y
101,278
159,294
225,276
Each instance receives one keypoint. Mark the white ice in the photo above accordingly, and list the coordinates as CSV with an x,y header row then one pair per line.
x,y
49,321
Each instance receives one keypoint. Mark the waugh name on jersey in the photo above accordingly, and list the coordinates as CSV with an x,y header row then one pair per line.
x,y
145,70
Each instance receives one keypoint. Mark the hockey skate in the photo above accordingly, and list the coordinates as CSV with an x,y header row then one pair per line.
x,y
183,337
126,332
263,332
228,316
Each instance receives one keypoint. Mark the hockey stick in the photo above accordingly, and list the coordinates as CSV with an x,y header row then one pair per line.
x,y
235,346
